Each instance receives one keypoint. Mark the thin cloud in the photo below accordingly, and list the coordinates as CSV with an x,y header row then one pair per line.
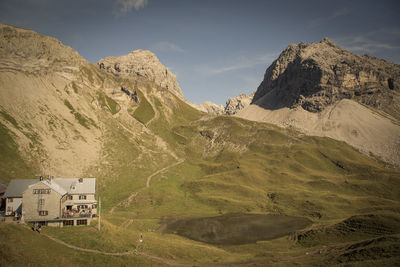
x,y
240,62
321,20
367,42
168,47
126,6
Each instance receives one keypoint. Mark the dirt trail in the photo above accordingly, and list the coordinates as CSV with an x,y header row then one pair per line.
x,y
126,253
126,223
162,170
124,202
157,259
161,144
130,252
135,251
134,194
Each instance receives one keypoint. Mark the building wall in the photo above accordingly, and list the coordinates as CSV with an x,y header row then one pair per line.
x,y
12,206
88,196
30,204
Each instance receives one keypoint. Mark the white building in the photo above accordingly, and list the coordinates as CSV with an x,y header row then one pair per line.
x,y
13,195
58,202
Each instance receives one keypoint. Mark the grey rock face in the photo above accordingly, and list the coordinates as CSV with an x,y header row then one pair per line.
x,y
209,107
142,63
234,104
319,74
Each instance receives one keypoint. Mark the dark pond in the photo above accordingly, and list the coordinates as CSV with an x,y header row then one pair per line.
x,y
235,228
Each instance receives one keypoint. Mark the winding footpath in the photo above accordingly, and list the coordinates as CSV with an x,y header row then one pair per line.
x,y
126,253
162,170
124,202
148,180
160,260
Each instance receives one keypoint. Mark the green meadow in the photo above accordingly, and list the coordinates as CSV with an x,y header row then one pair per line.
x,y
227,167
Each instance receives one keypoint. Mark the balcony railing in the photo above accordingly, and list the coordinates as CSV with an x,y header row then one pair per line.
x,y
77,215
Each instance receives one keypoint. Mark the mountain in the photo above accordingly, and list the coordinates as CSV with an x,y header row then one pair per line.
x,y
324,90
199,189
235,104
142,63
42,83
316,75
209,107
232,105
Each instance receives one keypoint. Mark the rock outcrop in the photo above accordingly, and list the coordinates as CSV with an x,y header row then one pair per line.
x,y
209,107
234,104
142,63
324,90
316,75
31,52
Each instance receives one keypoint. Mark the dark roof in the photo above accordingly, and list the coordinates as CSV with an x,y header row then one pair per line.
x,y
17,187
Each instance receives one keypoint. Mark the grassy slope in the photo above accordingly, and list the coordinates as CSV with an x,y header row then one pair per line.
x,y
11,163
144,112
231,165
23,247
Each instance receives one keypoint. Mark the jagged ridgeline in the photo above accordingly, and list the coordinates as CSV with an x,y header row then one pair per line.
x,y
161,164
316,75
324,90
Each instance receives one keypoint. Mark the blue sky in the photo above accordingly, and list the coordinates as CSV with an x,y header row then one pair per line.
x,y
217,48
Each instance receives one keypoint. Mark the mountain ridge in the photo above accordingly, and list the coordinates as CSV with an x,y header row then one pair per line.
x,y
319,74
157,160
312,87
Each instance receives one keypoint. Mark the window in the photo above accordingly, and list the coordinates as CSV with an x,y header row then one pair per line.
x,y
41,191
43,213
70,197
68,222
81,222
82,206
82,197
41,201
94,206
10,199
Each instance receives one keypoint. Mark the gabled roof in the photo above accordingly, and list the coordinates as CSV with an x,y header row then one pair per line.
x,y
73,186
17,187
60,185
54,186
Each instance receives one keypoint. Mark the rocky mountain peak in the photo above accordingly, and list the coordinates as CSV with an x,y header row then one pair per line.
x,y
209,107
26,49
316,75
325,40
142,63
235,104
